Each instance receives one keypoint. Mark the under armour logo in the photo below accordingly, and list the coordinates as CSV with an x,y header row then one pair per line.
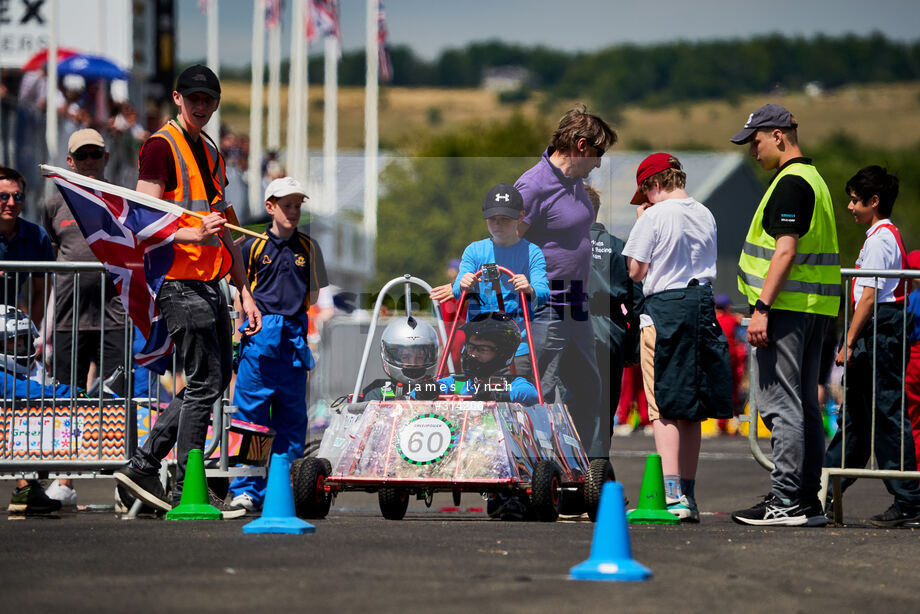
x,y
200,77
504,197
747,124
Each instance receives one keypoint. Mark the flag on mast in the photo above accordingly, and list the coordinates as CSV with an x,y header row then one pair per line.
x,y
272,14
323,20
386,66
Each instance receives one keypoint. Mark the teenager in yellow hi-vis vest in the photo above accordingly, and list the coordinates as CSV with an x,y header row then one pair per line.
x,y
181,164
789,271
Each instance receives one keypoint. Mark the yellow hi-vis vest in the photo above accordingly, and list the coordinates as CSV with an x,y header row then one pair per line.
x,y
813,285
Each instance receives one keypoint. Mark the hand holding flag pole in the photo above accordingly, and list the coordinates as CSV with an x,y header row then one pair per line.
x,y
138,197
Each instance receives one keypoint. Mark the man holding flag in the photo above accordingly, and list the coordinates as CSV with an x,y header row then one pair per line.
x,y
182,165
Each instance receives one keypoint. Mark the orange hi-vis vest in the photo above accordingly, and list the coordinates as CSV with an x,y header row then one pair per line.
x,y
210,261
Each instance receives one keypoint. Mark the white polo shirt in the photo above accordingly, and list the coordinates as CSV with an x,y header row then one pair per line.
x,y
880,251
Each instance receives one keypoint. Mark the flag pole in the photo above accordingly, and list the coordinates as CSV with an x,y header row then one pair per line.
x,y
370,121
274,86
255,107
330,125
133,195
51,111
213,127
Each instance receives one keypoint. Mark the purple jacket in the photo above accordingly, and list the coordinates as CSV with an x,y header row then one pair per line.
x,y
560,215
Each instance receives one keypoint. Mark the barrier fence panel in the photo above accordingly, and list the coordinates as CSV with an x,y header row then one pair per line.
x,y
832,476
94,425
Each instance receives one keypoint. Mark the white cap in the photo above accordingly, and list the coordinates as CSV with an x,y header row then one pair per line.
x,y
285,186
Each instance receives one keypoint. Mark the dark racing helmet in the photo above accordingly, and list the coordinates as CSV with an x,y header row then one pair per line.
x,y
409,350
17,338
498,329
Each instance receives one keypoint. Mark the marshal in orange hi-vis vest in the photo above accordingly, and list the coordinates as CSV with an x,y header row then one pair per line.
x,y
199,262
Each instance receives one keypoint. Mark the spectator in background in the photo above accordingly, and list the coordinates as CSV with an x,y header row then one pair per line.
x,y
557,218
873,352
21,240
632,392
612,296
737,351
86,155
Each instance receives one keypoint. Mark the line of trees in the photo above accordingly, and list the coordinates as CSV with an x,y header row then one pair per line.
x,y
655,74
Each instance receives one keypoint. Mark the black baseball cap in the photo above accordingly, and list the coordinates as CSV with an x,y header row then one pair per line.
x,y
767,116
198,78
503,199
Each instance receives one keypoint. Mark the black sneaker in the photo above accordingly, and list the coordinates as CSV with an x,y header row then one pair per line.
x,y
772,512
814,514
895,516
226,511
144,486
31,500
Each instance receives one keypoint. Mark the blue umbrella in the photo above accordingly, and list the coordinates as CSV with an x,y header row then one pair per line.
x,y
92,67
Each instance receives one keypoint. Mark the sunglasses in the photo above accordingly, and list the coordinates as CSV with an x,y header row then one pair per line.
x,y
600,152
96,154
18,197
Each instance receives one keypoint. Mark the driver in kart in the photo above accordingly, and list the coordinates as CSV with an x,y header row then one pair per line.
x,y
409,351
492,338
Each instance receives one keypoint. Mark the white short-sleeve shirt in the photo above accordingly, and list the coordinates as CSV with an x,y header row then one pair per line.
x,y
880,251
677,238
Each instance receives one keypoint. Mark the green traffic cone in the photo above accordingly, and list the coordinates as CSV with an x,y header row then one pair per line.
x,y
652,508
194,503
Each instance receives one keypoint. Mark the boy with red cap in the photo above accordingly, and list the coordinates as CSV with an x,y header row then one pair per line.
x,y
683,351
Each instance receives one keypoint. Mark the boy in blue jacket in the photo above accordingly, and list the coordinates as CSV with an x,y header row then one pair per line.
x,y
503,210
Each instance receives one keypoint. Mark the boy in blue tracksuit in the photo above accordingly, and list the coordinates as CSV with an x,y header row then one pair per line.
x,y
286,272
491,341
503,209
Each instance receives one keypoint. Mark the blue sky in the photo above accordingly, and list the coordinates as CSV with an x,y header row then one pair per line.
x,y
430,26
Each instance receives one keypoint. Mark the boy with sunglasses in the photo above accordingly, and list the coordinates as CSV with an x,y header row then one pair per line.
x,y
20,240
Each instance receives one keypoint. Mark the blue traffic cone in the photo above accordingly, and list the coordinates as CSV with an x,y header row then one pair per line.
x,y
611,555
278,510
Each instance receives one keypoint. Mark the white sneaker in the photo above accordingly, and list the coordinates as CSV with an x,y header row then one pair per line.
x,y
65,494
684,508
623,430
244,501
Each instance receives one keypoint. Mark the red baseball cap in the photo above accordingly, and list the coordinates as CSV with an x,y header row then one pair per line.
x,y
652,165
913,259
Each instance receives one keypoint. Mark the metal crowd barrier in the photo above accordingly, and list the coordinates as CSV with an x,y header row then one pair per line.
x,y
831,476
87,435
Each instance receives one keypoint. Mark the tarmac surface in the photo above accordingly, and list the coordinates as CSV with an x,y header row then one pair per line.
x,y
446,561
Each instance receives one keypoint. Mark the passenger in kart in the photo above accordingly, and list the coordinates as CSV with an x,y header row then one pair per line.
x,y
491,342
409,351
25,378
503,210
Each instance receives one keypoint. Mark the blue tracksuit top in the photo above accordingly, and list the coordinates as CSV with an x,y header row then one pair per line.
x,y
520,390
522,257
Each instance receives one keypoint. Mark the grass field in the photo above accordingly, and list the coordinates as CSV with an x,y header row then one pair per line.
x,y
886,115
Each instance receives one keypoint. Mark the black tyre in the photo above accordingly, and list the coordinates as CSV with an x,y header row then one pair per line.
x,y
308,478
456,495
547,491
599,471
393,502
573,503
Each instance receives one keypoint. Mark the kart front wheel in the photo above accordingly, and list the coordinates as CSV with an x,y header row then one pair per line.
x,y
393,502
308,479
546,498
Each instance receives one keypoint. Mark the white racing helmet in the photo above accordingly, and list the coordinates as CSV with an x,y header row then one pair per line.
x,y
409,350
17,339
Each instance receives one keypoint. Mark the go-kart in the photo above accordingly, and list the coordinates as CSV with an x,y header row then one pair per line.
x,y
453,443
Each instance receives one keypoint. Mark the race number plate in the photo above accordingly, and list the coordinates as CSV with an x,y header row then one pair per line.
x,y
426,439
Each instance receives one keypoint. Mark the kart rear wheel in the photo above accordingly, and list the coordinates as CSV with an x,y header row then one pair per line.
x,y
547,491
308,478
393,502
599,471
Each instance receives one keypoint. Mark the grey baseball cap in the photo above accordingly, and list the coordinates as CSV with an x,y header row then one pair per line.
x,y
767,116
503,199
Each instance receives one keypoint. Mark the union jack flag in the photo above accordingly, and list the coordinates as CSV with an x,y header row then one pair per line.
x,y
383,47
323,20
134,242
272,13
